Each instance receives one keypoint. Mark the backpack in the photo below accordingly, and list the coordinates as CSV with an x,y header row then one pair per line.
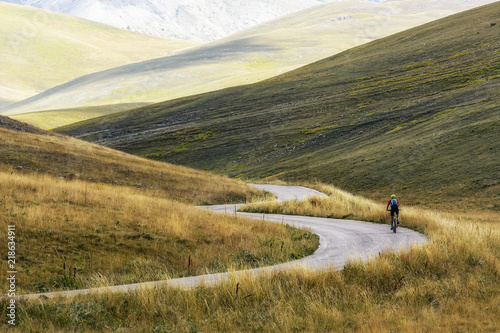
x,y
394,203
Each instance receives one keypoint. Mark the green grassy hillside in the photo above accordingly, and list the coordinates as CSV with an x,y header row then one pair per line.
x,y
416,113
259,53
42,49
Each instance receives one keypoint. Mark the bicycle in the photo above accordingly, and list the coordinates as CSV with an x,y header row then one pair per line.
x,y
394,221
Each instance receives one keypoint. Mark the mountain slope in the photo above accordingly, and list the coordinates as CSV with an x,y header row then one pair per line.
x,y
41,49
196,20
415,113
250,56
32,151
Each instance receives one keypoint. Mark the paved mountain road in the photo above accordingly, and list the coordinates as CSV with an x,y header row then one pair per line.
x,y
340,240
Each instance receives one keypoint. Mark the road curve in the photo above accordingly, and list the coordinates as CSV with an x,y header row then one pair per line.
x,y
340,241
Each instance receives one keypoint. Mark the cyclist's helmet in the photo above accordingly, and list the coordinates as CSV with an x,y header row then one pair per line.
x,y
393,196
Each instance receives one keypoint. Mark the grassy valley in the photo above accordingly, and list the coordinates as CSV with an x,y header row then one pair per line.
x,y
415,113
259,53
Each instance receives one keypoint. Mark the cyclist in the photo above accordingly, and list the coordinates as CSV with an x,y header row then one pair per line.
x,y
394,208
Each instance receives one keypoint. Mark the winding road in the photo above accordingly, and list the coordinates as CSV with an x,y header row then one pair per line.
x,y
340,241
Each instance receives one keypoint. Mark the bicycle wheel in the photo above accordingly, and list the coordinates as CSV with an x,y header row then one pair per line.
x,y
394,224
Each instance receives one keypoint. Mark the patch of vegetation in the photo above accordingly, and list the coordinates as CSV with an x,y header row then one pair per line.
x,y
419,64
365,104
445,113
195,134
460,54
317,129
402,126
184,146
187,138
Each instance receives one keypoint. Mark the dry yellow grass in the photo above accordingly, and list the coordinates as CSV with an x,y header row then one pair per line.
x,y
342,204
449,285
74,234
